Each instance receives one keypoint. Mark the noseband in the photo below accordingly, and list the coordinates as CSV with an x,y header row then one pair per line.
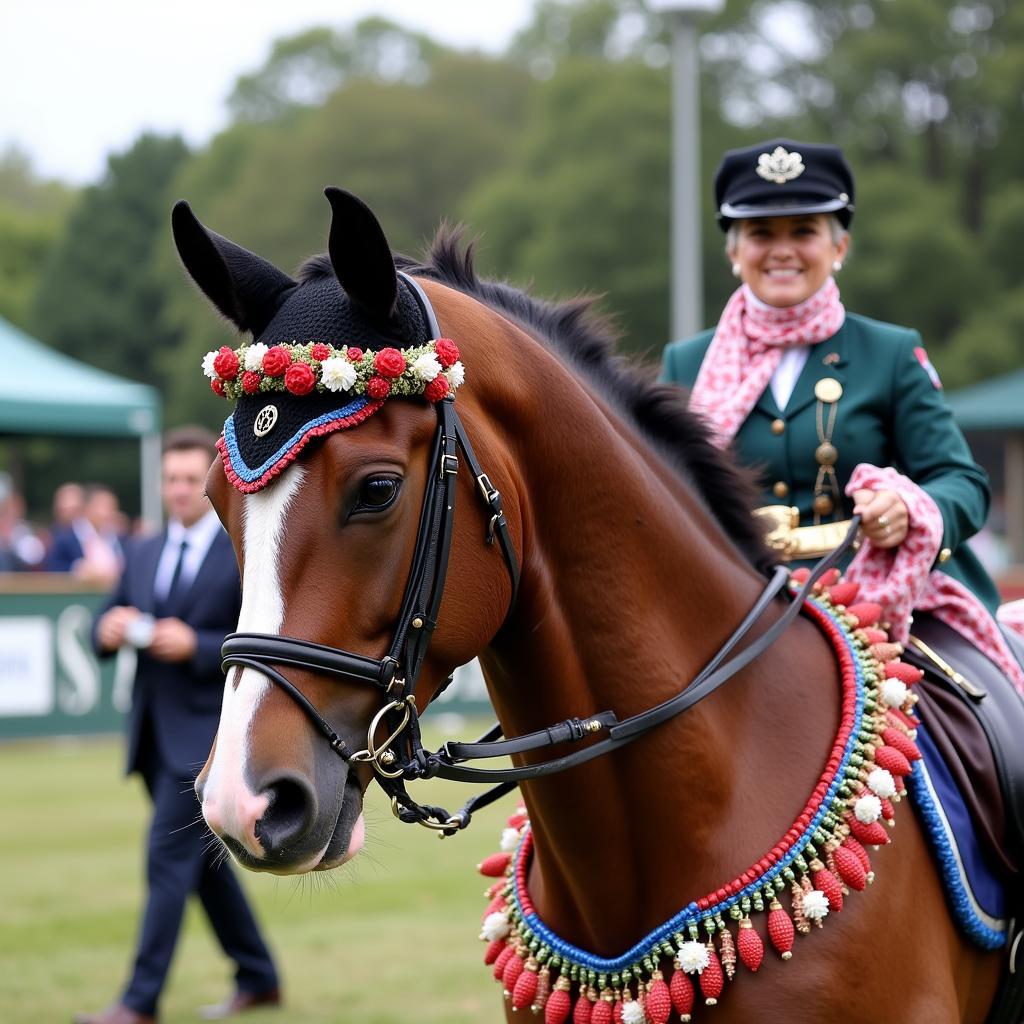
x,y
401,756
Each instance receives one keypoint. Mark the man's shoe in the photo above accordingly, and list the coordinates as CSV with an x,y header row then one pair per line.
x,y
116,1014
240,1002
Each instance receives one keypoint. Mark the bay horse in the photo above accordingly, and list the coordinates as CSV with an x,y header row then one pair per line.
x,y
629,559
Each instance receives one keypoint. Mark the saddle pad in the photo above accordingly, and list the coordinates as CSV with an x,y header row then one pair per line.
x,y
974,890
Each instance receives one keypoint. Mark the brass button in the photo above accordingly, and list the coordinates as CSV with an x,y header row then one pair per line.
x,y
826,454
945,555
823,505
778,426
828,389
781,489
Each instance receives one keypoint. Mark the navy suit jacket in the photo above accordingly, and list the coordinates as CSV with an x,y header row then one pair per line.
x,y
180,700
65,549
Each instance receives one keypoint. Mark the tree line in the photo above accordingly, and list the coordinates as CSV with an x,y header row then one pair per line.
x,y
555,155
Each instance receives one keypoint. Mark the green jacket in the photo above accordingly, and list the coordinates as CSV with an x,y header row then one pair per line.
x,y
890,414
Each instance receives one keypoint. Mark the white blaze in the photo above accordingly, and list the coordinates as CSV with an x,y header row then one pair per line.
x,y
227,798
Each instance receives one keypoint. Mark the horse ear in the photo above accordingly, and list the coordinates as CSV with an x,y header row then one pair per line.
x,y
243,286
361,256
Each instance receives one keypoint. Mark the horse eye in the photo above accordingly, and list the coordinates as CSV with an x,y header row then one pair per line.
x,y
377,493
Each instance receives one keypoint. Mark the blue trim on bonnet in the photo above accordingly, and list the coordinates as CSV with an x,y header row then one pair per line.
x,y
238,464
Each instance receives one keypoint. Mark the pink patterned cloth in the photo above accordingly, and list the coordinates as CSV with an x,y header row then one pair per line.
x,y
747,347
901,579
1012,615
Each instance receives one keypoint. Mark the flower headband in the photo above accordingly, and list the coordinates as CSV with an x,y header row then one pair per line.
x,y
431,371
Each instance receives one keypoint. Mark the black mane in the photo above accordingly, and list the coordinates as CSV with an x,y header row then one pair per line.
x,y
587,341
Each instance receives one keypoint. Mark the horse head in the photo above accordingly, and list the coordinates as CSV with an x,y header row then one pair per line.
x,y
325,521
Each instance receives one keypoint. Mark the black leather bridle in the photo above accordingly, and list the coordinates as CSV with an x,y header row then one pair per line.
x,y
401,756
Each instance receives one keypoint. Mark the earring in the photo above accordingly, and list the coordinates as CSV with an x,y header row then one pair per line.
x,y
735,270
836,266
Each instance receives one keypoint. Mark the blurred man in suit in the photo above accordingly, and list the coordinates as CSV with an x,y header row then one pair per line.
x,y
178,596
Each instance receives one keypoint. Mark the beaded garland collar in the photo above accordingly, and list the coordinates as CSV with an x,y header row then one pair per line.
x,y
286,395
819,859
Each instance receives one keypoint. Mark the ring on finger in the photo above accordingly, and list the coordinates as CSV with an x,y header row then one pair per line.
x,y
883,521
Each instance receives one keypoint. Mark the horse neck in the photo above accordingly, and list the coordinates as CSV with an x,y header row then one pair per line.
x,y
629,587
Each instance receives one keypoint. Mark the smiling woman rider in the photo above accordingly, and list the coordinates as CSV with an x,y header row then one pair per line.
x,y
839,414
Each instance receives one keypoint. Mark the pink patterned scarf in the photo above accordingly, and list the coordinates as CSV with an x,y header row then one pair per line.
x,y
902,579
746,350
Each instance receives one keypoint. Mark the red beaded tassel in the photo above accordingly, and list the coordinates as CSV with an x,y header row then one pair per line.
x,y
495,865
902,742
526,985
712,981
680,990
510,975
750,946
502,961
556,1009
659,1000
828,884
849,868
780,929
584,1008
494,949
873,834
603,1012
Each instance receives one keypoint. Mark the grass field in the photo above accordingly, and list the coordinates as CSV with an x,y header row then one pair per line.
x,y
390,938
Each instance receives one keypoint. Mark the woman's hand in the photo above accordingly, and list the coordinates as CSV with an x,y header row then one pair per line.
x,y
884,518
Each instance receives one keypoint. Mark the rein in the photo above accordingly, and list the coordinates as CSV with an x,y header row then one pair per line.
x,y
401,756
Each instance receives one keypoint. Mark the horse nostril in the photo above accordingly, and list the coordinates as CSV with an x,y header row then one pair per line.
x,y
289,814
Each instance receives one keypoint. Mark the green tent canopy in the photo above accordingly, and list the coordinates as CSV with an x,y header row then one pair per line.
x,y
996,404
45,392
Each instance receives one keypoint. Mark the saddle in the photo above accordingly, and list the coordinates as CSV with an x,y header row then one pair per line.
x,y
975,717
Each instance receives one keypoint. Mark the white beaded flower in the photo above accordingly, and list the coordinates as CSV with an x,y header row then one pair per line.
x,y
868,808
456,375
495,926
509,838
208,365
815,905
632,1013
337,374
881,783
894,692
254,355
692,956
426,366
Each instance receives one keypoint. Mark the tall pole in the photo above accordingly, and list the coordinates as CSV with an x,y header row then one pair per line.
x,y
687,279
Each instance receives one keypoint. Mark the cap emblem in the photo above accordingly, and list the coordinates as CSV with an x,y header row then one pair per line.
x,y
780,166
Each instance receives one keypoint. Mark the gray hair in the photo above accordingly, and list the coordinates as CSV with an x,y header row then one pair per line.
x,y
835,227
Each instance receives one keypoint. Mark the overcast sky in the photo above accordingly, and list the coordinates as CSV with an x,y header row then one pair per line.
x,y
82,78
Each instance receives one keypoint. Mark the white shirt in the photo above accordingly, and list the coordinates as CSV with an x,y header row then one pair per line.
x,y
199,536
786,373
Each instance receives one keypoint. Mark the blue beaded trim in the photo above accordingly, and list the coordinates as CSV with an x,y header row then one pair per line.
x,y
250,475
690,915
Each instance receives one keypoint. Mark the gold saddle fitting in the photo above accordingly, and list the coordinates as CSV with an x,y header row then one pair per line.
x,y
793,542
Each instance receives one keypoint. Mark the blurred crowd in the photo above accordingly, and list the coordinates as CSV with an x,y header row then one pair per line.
x,y
85,536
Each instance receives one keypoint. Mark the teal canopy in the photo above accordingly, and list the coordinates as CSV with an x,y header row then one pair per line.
x,y
45,392
996,404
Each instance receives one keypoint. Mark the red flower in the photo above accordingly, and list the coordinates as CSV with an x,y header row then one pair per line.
x,y
299,379
389,362
355,354
276,361
321,352
218,386
226,364
447,352
250,382
436,389
378,387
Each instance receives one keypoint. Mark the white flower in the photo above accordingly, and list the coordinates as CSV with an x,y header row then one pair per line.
x,y
509,838
692,956
496,926
254,355
337,374
456,375
868,808
882,784
426,367
632,1013
815,905
208,364
894,692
